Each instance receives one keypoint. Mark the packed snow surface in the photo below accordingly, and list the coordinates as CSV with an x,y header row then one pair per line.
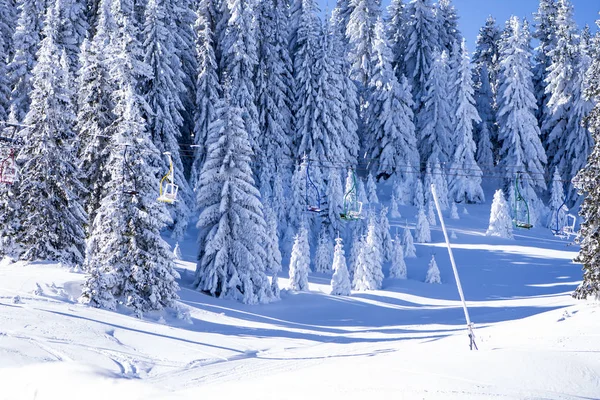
x,y
407,341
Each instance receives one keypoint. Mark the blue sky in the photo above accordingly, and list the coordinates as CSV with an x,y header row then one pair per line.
x,y
473,13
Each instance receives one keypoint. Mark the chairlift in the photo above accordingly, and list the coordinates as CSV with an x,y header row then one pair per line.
x,y
8,169
522,217
352,207
168,189
311,206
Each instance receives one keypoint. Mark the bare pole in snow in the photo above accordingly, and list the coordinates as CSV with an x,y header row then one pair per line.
x,y
472,343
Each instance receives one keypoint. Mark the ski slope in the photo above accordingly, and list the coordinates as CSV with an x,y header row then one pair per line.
x,y
407,341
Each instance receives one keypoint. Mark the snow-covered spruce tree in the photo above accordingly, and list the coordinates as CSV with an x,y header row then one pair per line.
x,y
273,90
340,281
128,261
447,27
410,251
335,201
558,86
545,33
465,182
273,254
94,116
324,251
501,224
433,120
340,16
454,212
421,42
556,217
433,272
368,273
238,49
396,33
431,213
522,152
384,235
4,83
435,175
422,232
389,118
231,259
485,79
163,96
305,51
360,32
208,89
9,206
372,190
587,183
394,213
72,29
300,261
51,215
26,41
419,199
8,22
398,267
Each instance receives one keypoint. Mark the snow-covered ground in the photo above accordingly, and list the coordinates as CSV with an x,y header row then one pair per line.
x,y
407,341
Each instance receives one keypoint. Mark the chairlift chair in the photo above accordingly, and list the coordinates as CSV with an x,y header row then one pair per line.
x,y
168,189
569,228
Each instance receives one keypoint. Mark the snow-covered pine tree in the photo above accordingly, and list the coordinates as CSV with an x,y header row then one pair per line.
x,y
231,260
273,90
501,224
419,199
422,232
485,79
433,272
8,19
300,261
545,33
238,49
51,214
208,88
368,273
398,267
522,152
360,32
273,254
421,42
127,259
465,182
340,281
163,96
372,190
389,119
335,201
324,251
72,29
447,28
94,116
340,16
394,213
410,251
433,120
587,183
431,212
556,217
26,41
454,212
384,235
558,88
396,28
4,83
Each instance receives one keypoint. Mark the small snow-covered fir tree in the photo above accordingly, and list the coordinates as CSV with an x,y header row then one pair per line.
x,y
422,233
410,251
398,267
385,238
51,213
324,252
394,213
372,190
556,217
231,260
368,274
436,175
300,261
454,212
273,254
419,199
340,281
431,213
433,272
485,148
501,224
465,183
